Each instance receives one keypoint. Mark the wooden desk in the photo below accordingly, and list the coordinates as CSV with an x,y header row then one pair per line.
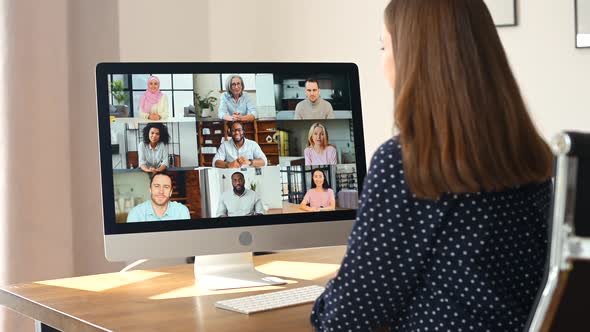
x,y
169,299
287,208
294,208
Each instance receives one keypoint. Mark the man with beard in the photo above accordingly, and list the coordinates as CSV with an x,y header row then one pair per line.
x,y
239,151
159,207
239,201
313,107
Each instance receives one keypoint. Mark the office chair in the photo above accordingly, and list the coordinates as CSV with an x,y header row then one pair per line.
x,y
562,303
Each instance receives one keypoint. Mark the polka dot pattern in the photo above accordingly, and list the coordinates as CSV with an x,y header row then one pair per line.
x,y
464,262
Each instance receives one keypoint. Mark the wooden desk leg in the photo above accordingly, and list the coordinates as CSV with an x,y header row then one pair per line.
x,y
40,327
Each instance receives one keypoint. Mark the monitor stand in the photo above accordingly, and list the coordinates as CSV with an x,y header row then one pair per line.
x,y
228,271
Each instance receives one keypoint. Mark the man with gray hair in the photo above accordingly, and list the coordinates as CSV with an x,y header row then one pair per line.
x,y
236,104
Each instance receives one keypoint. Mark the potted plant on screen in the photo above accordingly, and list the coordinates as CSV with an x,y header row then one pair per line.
x,y
206,103
120,96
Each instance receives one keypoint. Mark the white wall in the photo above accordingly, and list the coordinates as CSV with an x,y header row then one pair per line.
x,y
180,29
188,145
553,75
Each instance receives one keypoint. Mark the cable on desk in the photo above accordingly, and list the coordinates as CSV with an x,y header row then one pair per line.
x,y
134,264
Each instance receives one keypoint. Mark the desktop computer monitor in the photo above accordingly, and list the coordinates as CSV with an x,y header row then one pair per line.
x,y
219,160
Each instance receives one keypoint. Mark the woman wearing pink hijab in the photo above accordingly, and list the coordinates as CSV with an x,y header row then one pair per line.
x,y
153,104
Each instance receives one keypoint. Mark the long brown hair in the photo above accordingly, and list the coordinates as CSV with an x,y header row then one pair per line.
x,y
463,123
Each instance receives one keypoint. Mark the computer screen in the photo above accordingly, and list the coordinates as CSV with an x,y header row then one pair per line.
x,y
211,158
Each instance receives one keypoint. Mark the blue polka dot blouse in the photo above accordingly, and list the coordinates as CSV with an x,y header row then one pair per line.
x,y
464,262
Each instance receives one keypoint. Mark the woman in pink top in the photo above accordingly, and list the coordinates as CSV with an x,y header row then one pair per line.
x,y
318,150
320,197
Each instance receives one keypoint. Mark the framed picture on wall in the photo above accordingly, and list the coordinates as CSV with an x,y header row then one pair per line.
x,y
503,12
582,23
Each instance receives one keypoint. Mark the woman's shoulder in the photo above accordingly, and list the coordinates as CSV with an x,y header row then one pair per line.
x,y
387,161
331,148
390,149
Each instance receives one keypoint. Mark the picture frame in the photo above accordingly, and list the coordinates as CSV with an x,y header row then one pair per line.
x,y
504,12
582,23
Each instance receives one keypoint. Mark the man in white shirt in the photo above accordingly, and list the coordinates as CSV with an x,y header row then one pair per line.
x,y
314,107
239,201
239,151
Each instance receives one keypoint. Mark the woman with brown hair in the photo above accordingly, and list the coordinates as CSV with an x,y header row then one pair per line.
x,y
451,231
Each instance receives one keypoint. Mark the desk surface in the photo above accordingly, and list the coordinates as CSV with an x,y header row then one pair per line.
x,y
169,299
294,208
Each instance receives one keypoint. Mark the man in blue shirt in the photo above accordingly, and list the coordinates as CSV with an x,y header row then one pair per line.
x,y
159,207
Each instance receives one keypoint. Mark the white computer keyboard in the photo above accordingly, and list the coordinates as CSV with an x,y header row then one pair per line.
x,y
272,300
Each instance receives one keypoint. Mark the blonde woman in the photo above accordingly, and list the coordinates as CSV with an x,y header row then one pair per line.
x,y
318,150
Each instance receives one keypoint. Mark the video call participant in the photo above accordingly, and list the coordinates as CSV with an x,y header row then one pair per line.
x,y
159,207
451,231
239,201
320,197
313,107
318,150
236,104
153,151
153,104
239,151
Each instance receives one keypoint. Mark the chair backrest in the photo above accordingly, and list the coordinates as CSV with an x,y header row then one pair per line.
x,y
564,297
